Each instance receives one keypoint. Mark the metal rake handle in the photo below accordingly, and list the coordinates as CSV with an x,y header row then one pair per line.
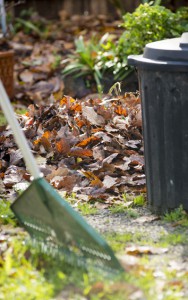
x,y
18,133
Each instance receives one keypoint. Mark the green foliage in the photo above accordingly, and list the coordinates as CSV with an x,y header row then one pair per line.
x,y
127,206
30,22
57,61
2,119
19,278
87,209
173,239
108,60
6,214
26,273
118,241
148,24
139,200
176,215
84,61
118,208
132,213
122,208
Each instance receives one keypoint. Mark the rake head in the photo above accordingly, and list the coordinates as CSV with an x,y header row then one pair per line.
x,y
59,230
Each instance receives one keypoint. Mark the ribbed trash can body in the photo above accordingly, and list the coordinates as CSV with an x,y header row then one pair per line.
x,y
164,93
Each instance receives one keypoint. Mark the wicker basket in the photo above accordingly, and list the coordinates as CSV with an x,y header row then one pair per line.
x,y
7,71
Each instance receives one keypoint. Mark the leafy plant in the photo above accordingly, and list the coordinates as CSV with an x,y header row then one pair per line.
x,y
6,214
57,61
176,215
139,200
30,23
87,209
148,24
84,61
132,213
26,273
118,208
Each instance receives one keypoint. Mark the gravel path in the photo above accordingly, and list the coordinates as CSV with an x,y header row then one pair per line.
x,y
171,258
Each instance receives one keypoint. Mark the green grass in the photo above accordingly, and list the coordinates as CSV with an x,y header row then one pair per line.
x,y
118,208
176,215
2,119
6,214
128,204
173,239
139,200
87,209
26,273
19,277
121,208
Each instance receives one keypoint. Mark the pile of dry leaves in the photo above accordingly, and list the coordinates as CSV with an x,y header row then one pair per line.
x,y
92,147
38,58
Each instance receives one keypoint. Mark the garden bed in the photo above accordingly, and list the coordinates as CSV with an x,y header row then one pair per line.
x,y
91,151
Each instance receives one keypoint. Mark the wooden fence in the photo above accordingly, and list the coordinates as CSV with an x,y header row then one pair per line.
x,y
51,8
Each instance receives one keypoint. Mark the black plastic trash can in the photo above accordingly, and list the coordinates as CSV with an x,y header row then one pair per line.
x,y
163,84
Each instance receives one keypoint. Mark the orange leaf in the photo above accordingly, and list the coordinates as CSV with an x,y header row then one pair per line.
x,y
89,175
76,107
46,143
63,101
63,146
87,141
120,110
36,142
80,152
97,182
44,139
2,175
79,122
94,130
94,179
71,99
47,134
66,100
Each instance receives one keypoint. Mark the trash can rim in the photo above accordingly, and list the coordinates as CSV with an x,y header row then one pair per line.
x,y
171,53
141,61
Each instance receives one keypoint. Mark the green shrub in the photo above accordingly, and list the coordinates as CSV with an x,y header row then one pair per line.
x,y
148,24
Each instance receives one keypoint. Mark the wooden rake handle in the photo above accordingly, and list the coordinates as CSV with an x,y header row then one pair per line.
x,y
18,133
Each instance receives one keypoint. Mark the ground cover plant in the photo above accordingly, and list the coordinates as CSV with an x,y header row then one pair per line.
x,y
91,151
108,55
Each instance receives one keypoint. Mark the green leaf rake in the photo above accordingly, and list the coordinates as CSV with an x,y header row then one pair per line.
x,y
50,220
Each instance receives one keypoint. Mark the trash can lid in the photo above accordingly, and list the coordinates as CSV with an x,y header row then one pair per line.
x,y
166,53
168,50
